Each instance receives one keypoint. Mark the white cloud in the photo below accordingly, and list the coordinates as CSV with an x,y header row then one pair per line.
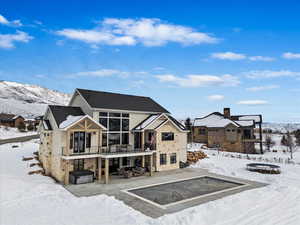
x,y
158,68
108,73
228,56
7,40
261,58
262,88
216,97
6,22
195,80
101,73
238,56
257,74
252,102
290,55
149,32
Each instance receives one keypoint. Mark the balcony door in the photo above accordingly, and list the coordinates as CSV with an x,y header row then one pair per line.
x,y
79,142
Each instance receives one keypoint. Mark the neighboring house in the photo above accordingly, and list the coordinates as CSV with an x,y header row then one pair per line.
x,y
101,132
11,120
230,133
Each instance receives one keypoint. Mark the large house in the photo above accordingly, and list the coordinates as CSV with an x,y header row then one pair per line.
x,y
11,120
101,132
230,133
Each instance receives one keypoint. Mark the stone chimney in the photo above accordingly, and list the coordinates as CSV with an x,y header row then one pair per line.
x,y
227,113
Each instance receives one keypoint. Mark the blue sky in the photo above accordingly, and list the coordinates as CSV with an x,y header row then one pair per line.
x,y
193,57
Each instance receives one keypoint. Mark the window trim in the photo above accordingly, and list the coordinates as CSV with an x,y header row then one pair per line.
x,y
172,136
161,161
172,155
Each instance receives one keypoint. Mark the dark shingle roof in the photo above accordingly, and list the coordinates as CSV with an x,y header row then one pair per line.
x,y
107,100
8,117
61,113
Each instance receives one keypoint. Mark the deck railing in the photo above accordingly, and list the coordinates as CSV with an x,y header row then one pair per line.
x,y
112,149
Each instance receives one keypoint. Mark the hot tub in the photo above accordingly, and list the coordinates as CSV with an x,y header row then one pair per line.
x,y
81,177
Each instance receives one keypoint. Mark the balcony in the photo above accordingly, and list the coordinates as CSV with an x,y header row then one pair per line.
x,y
86,151
111,150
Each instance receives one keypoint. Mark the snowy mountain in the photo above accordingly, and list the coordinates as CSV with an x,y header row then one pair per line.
x,y
28,100
281,127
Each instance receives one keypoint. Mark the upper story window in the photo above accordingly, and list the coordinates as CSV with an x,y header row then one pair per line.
x,y
117,125
167,136
114,121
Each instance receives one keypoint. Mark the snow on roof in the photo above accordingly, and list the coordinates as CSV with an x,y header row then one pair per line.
x,y
213,120
245,123
146,122
256,118
45,125
70,120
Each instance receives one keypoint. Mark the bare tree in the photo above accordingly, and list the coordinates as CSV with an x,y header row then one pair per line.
x,y
290,143
269,142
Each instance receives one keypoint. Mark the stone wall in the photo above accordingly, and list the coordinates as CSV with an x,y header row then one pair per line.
x,y
178,146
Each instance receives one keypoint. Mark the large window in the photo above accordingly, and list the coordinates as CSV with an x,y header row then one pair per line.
x,y
202,131
163,159
173,158
78,164
167,136
117,125
114,124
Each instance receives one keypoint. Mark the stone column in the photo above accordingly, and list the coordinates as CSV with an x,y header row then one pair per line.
x,y
143,161
150,164
67,171
106,170
99,168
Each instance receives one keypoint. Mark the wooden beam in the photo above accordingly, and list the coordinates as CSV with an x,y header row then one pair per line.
x,y
106,170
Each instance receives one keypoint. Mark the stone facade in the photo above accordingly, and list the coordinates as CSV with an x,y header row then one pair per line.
x,y
228,139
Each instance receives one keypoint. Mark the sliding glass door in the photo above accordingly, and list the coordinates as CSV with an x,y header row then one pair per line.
x,y
79,142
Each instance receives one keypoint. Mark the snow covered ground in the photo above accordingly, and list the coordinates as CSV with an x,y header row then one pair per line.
x,y
38,200
11,132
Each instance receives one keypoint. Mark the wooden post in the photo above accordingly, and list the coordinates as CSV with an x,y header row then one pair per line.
x,y
143,141
143,161
106,170
99,168
260,139
150,164
67,171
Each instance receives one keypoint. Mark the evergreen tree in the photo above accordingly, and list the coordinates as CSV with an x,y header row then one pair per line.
x,y
284,140
188,126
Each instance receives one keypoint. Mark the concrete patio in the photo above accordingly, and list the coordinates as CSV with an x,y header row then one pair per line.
x,y
118,187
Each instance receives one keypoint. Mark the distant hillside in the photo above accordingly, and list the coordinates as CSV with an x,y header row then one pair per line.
x,y
281,127
28,100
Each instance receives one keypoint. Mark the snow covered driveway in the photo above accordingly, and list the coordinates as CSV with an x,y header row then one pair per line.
x,y
37,200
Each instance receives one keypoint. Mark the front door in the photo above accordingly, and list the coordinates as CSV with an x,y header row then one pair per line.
x,y
79,142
